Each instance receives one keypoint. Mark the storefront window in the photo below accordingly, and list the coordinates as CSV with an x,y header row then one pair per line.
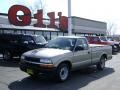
x,y
60,33
47,35
65,34
77,34
8,31
53,35
38,32
18,31
30,32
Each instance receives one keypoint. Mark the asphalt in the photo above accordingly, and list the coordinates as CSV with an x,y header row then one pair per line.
x,y
12,78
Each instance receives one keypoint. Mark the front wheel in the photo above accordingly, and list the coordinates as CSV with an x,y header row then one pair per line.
x,y
101,64
62,72
34,76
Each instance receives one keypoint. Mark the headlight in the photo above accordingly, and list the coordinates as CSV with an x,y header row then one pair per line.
x,y
22,57
45,61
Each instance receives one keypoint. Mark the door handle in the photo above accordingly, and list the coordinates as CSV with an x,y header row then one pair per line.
x,y
88,52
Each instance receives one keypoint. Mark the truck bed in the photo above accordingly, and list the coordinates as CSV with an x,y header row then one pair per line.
x,y
96,45
98,49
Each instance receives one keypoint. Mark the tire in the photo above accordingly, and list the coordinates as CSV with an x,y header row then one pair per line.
x,y
62,72
101,64
34,76
7,55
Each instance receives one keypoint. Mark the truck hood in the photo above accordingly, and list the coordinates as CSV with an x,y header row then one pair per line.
x,y
45,53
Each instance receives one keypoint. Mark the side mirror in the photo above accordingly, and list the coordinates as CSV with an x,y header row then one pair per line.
x,y
79,48
25,42
31,42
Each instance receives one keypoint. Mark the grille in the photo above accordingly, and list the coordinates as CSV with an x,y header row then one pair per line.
x,y
33,66
32,59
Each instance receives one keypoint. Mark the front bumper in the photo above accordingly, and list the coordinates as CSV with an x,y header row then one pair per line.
x,y
37,69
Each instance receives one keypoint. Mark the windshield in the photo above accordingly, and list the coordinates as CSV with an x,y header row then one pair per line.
x,y
39,39
103,38
110,39
62,43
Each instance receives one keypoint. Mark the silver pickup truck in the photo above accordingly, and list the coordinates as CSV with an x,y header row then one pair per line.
x,y
63,55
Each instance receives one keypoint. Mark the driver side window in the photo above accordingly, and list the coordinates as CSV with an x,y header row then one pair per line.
x,y
27,40
82,43
79,43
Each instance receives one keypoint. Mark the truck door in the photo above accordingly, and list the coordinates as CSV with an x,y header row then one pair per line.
x,y
82,53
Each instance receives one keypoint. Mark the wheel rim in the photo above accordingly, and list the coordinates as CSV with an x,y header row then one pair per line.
x,y
63,73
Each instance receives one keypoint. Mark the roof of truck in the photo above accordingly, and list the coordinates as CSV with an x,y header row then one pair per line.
x,y
71,36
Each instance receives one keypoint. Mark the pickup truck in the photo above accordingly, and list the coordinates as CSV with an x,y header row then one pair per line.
x,y
63,55
101,40
114,43
112,40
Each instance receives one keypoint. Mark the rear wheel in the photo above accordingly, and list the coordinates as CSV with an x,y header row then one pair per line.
x,y
62,72
7,55
101,64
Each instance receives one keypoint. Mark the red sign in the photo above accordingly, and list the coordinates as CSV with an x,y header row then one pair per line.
x,y
26,18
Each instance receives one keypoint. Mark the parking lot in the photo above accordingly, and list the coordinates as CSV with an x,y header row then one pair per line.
x,y
11,78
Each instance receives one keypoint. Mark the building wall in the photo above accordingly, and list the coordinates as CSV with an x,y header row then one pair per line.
x,y
4,20
82,25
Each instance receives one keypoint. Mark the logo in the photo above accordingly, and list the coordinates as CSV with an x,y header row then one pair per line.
x,y
24,20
